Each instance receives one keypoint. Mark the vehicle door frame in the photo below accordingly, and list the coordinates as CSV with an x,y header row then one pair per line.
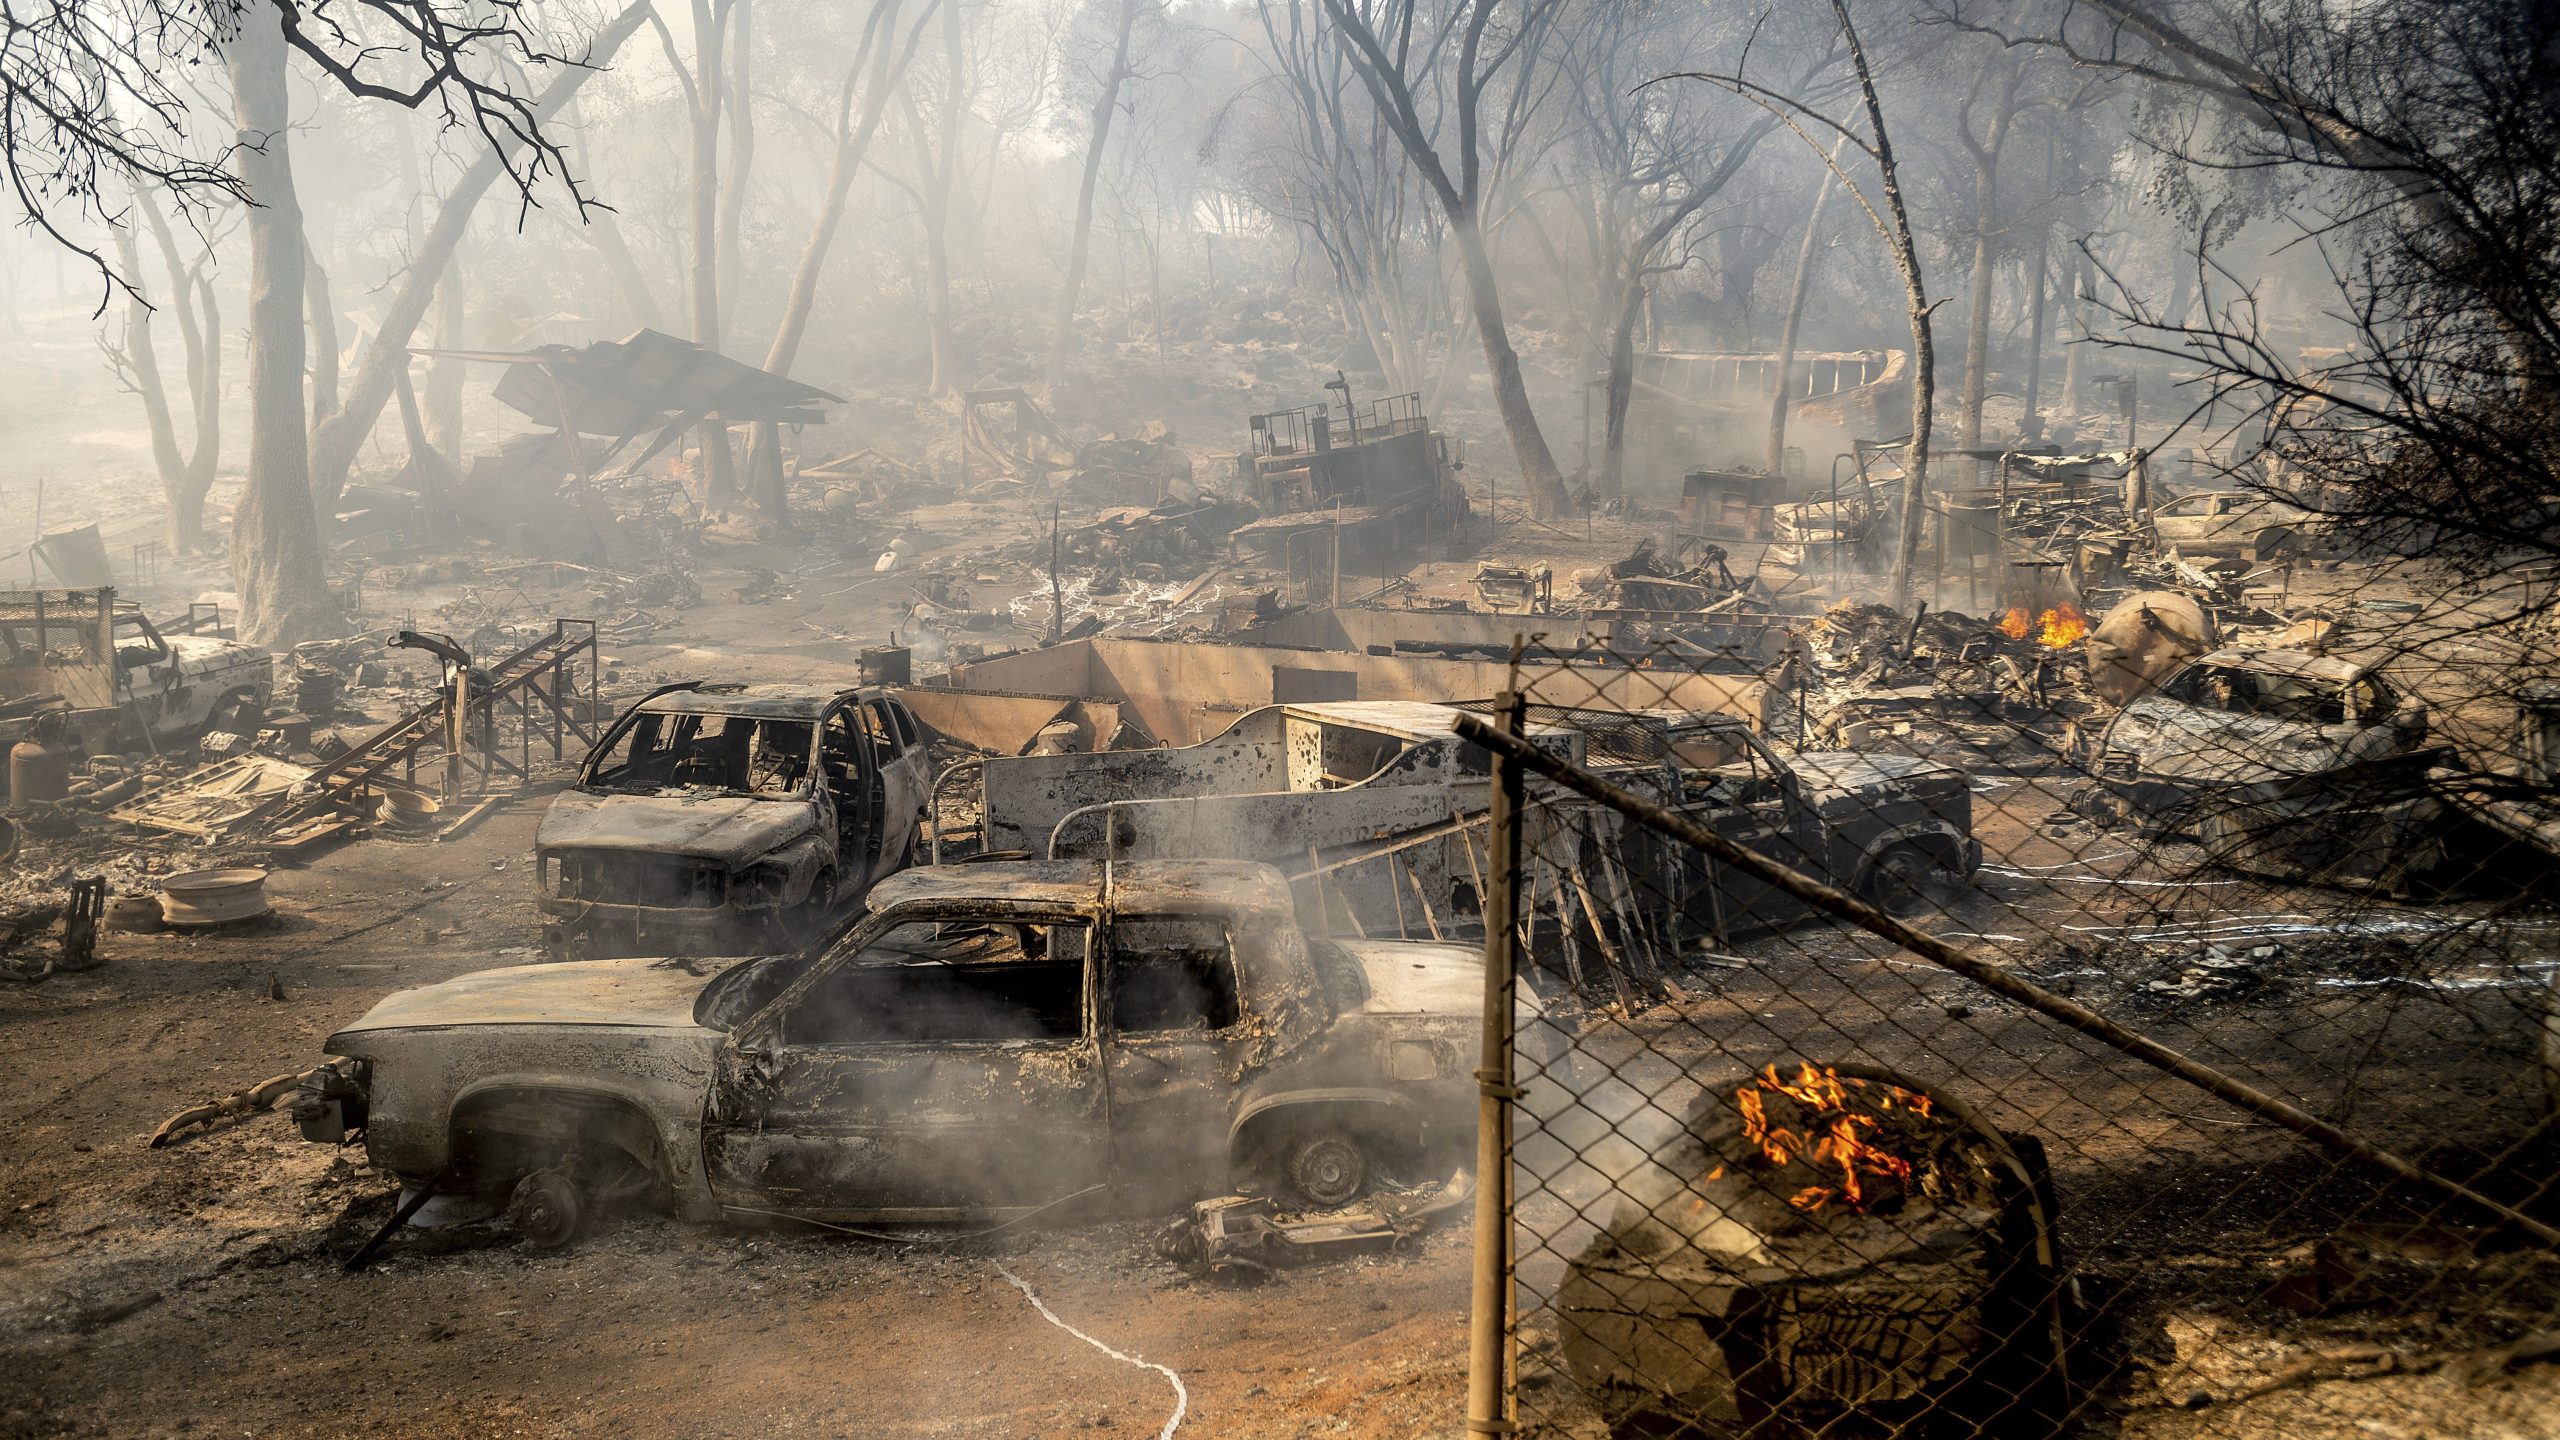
x,y
752,1051
830,799
1218,1051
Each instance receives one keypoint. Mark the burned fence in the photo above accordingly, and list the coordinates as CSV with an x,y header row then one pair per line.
x,y
2099,1127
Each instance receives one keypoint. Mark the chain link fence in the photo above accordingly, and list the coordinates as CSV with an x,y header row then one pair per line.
x,y
2201,1096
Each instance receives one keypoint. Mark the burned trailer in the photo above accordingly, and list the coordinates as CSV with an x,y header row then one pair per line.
x,y
991,1040
730,820
1378,483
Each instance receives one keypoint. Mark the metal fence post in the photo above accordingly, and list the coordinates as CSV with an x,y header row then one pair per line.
x,y
1489,1321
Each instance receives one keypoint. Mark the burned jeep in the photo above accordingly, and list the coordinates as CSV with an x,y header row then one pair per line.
x,y
991,1040
730,820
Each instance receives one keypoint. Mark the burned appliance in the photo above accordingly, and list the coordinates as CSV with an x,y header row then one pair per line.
x,y
1832,1250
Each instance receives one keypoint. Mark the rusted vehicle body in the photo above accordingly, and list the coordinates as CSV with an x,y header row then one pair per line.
x,y
2233,522
991,1039
128,685
730,820
2285,764
1341,777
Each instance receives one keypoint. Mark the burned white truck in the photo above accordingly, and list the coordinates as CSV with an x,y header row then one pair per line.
x,y
991,1040
127,683
730,820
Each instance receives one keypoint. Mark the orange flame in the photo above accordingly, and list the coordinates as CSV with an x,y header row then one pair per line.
x,y
2057,628
2064,626
1866,1172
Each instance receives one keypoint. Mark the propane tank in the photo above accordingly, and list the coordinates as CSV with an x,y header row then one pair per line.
x,y
40,767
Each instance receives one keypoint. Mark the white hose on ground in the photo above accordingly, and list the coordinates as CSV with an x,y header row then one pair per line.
x,y
1181,1397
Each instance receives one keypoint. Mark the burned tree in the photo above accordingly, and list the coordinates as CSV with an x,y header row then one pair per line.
x,y
1477,55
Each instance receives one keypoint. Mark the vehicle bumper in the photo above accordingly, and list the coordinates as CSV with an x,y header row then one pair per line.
x,y
594,931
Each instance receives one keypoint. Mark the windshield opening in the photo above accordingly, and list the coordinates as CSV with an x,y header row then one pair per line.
x,y
730,754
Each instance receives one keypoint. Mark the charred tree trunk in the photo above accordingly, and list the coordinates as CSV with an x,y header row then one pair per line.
x,y
738,104
275,542
443,397
1618,391
1793,326
2031,410
602,228
1539,477
941,173
1080,239
139,362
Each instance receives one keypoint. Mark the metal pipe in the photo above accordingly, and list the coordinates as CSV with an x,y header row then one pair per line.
x,y
1489,1310
1109,842
933,804
1991,976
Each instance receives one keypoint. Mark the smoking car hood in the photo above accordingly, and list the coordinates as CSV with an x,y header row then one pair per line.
x,y
1841,770
649,994
713,827
1417,977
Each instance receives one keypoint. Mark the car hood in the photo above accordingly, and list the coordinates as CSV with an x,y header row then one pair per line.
x,y
2177,741
646,994
203,652
711,826
1420,977
1850,773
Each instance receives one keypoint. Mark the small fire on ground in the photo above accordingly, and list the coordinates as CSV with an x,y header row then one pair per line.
x,y
2056,629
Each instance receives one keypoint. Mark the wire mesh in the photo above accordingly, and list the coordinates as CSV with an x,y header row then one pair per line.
x,y
1774,1175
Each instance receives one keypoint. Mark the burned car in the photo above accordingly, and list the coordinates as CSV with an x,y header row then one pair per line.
x,y
992,1039
730,820
1897,829
2281,763
2242,523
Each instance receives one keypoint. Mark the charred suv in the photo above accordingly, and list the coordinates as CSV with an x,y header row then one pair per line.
x,y
991,1039
729,820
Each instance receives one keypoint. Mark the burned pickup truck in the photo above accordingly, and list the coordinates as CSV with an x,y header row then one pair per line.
x,y
991,1040
730,820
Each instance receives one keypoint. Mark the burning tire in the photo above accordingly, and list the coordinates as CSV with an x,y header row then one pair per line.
x,y
1841,1252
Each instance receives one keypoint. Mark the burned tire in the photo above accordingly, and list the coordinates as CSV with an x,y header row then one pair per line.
x,y
1908,879
1324,1166
546,1209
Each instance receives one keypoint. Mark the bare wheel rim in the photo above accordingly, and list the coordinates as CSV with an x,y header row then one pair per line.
x,y
545,1209
1327,1167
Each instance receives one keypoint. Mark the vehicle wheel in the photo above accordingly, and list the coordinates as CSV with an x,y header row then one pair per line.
x,y
2273,545
546,1209
1908,879
1324,1166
